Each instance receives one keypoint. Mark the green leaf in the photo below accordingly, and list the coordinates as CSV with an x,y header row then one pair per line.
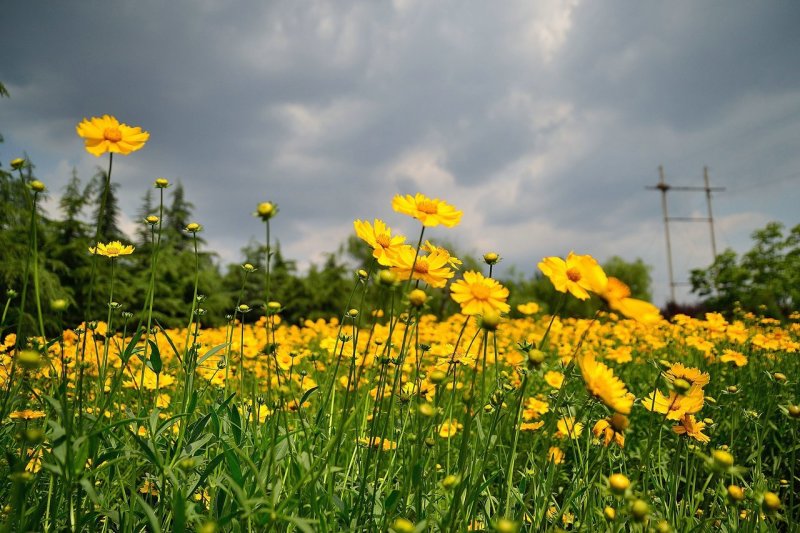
x,y
155,363
211,352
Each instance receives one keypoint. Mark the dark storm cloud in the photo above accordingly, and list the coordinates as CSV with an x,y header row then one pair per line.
x,y
543,121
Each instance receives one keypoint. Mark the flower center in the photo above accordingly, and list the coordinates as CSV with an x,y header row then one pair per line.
x,y
422,266
112,250
480,292
428,207
112,135
383,239
573,274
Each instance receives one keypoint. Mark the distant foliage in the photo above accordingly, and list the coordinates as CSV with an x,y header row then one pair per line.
x,y
765,280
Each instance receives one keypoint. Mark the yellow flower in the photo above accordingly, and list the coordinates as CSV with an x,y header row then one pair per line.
x,y
449,428
431,212
112,249
567,427
606,430
107,134
603,384
379,237
733,356
431,268
530,308
555,455
453,261
617,294
554,379
531,426
478,295
694,376
578,275
26,414
691,428
676,406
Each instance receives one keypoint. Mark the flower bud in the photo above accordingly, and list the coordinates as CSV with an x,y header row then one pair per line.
x,y
247,267
640,510
490,321
491,258
387,277
17,163
59,304
152,220
535,358
779,377
417,297
794,411
450,482
771,503
610,513
504,525
437,376
37,186
29,359
722,459
162,183
735,493
402,525
681,386
618,483
266,210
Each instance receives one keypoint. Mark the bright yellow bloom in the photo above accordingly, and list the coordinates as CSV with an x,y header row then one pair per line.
x,y
534,408
431,212
449,428
608,429
26,414
692,428
694,376
112,249
578,275
567,427
454,262
531,426
530,308
554,379
676,406
378,443
433,268
603,384
617,294
379,237
478,295
107,134
733,356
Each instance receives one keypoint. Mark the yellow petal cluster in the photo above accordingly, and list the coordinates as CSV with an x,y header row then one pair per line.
x,y
479,295
107,134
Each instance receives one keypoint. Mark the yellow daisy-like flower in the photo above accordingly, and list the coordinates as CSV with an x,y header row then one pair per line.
x,y
578,275
694,376
112,249
611,429
431,212
26,414
554,379
675,406
433,268
692,428
534,408
107,134
603,384
617,294
449,428
732,356
530,308
555,455
567,427
379,237
454,262
478,295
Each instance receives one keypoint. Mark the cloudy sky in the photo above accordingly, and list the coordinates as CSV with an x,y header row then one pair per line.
x,y
543,121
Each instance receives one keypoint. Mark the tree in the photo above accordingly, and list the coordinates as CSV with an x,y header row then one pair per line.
x,y
764,280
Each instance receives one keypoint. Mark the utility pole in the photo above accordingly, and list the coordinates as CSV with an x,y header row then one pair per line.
x,y
664,187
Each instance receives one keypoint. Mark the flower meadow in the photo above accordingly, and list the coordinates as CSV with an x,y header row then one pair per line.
x,y
387,416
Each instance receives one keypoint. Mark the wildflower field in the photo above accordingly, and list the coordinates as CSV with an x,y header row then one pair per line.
x,y
387,417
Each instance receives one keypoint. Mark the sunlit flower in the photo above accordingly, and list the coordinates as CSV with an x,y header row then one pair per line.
x,y
111,250
454,262
676,405
617,295
107,134
567,427
479,295
578,275
378,443
694,376
431,212
531,426
534,408
530,308
691,427
433,268
554,379
379,237
603,384
732,356
449,428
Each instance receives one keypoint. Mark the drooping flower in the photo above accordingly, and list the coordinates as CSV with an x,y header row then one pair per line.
x,y
111,250
555,455
454,262
604,385
618,297
479,295
578,275
692,428
611,428
379,237
431,212
107,134
433,268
